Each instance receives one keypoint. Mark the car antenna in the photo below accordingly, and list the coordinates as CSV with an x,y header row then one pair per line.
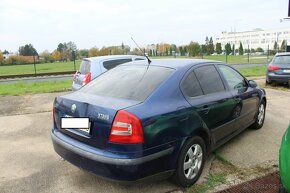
x,y
149,61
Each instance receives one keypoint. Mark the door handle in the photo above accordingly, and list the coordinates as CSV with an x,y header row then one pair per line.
x,y
205,109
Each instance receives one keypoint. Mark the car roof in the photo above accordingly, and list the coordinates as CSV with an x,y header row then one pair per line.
x,y
282,53
99,58
173,63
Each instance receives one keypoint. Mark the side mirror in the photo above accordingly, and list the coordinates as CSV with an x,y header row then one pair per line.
x,y
252,83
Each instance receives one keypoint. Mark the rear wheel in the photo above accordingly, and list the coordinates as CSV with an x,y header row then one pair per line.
x,y
190,162
260,118
268,82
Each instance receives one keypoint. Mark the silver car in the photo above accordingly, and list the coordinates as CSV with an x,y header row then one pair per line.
x,y
90,68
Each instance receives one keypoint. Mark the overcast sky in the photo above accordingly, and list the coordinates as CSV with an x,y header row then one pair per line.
x,y
91,23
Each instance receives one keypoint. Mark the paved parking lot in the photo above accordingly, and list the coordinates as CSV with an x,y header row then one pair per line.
x,y
29,163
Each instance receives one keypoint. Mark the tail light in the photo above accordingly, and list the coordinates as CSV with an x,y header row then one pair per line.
x,y
87,79
273,68
126,129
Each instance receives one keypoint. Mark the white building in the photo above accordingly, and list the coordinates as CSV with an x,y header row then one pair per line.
x,y
256,38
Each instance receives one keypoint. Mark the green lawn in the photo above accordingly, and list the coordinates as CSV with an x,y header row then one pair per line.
x,y
253,71
21,88
230,59
69,66
40,68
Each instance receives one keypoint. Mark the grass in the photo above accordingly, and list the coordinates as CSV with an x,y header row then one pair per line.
x,y
40,68
212,180
21,88
69,66
222,159
253,71
230,59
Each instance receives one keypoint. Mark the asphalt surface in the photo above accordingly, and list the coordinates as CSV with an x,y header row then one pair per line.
x,y
29,163
70,77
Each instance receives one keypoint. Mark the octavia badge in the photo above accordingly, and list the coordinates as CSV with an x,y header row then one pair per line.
x,y
73,108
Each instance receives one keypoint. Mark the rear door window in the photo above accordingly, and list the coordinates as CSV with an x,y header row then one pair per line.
x,y
128,82
113,63
85,67
190,86
209,79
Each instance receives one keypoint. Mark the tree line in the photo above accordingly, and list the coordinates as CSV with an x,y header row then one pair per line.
x,y
67,51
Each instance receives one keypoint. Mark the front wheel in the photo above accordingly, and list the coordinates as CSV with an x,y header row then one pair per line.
x,y
190,162
260,118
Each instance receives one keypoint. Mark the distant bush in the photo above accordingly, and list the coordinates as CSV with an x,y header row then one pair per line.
x,y
18,60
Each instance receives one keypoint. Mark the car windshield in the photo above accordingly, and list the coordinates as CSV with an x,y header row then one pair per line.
x,y
128,82
85,67
283,59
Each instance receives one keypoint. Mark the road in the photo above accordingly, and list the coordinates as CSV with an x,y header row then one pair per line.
x,y
70,77
29,163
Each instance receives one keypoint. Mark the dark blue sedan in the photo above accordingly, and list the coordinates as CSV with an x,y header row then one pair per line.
x,y
139,120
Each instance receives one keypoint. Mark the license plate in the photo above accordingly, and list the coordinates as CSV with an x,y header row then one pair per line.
x,y
79,124
286,71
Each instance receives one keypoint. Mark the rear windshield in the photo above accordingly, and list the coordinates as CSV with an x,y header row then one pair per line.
x,y
85,67
282,59
128,82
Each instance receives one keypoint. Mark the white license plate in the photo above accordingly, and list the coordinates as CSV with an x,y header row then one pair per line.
x,y
82,124
286,71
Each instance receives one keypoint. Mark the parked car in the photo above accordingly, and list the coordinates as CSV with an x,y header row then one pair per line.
x,y
90,68
284,162
278,70
163,118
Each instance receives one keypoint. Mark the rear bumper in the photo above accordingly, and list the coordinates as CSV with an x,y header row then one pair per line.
x,y
106,164
277,78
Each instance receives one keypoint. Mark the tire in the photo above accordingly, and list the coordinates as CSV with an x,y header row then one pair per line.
x,y
268,82
260,118
193,156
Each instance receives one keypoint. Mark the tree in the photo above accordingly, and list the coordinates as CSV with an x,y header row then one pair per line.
x,y
259,49
93,52
283,45
181,51
218,48
276,47
47,57
203,49
56,55
27,50
206,40
5,52
241,49
233,49
194,49
104,51
1,57
228,48
210,47
84,53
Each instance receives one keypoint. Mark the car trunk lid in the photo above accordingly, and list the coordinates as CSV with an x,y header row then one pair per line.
x,y
100,111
